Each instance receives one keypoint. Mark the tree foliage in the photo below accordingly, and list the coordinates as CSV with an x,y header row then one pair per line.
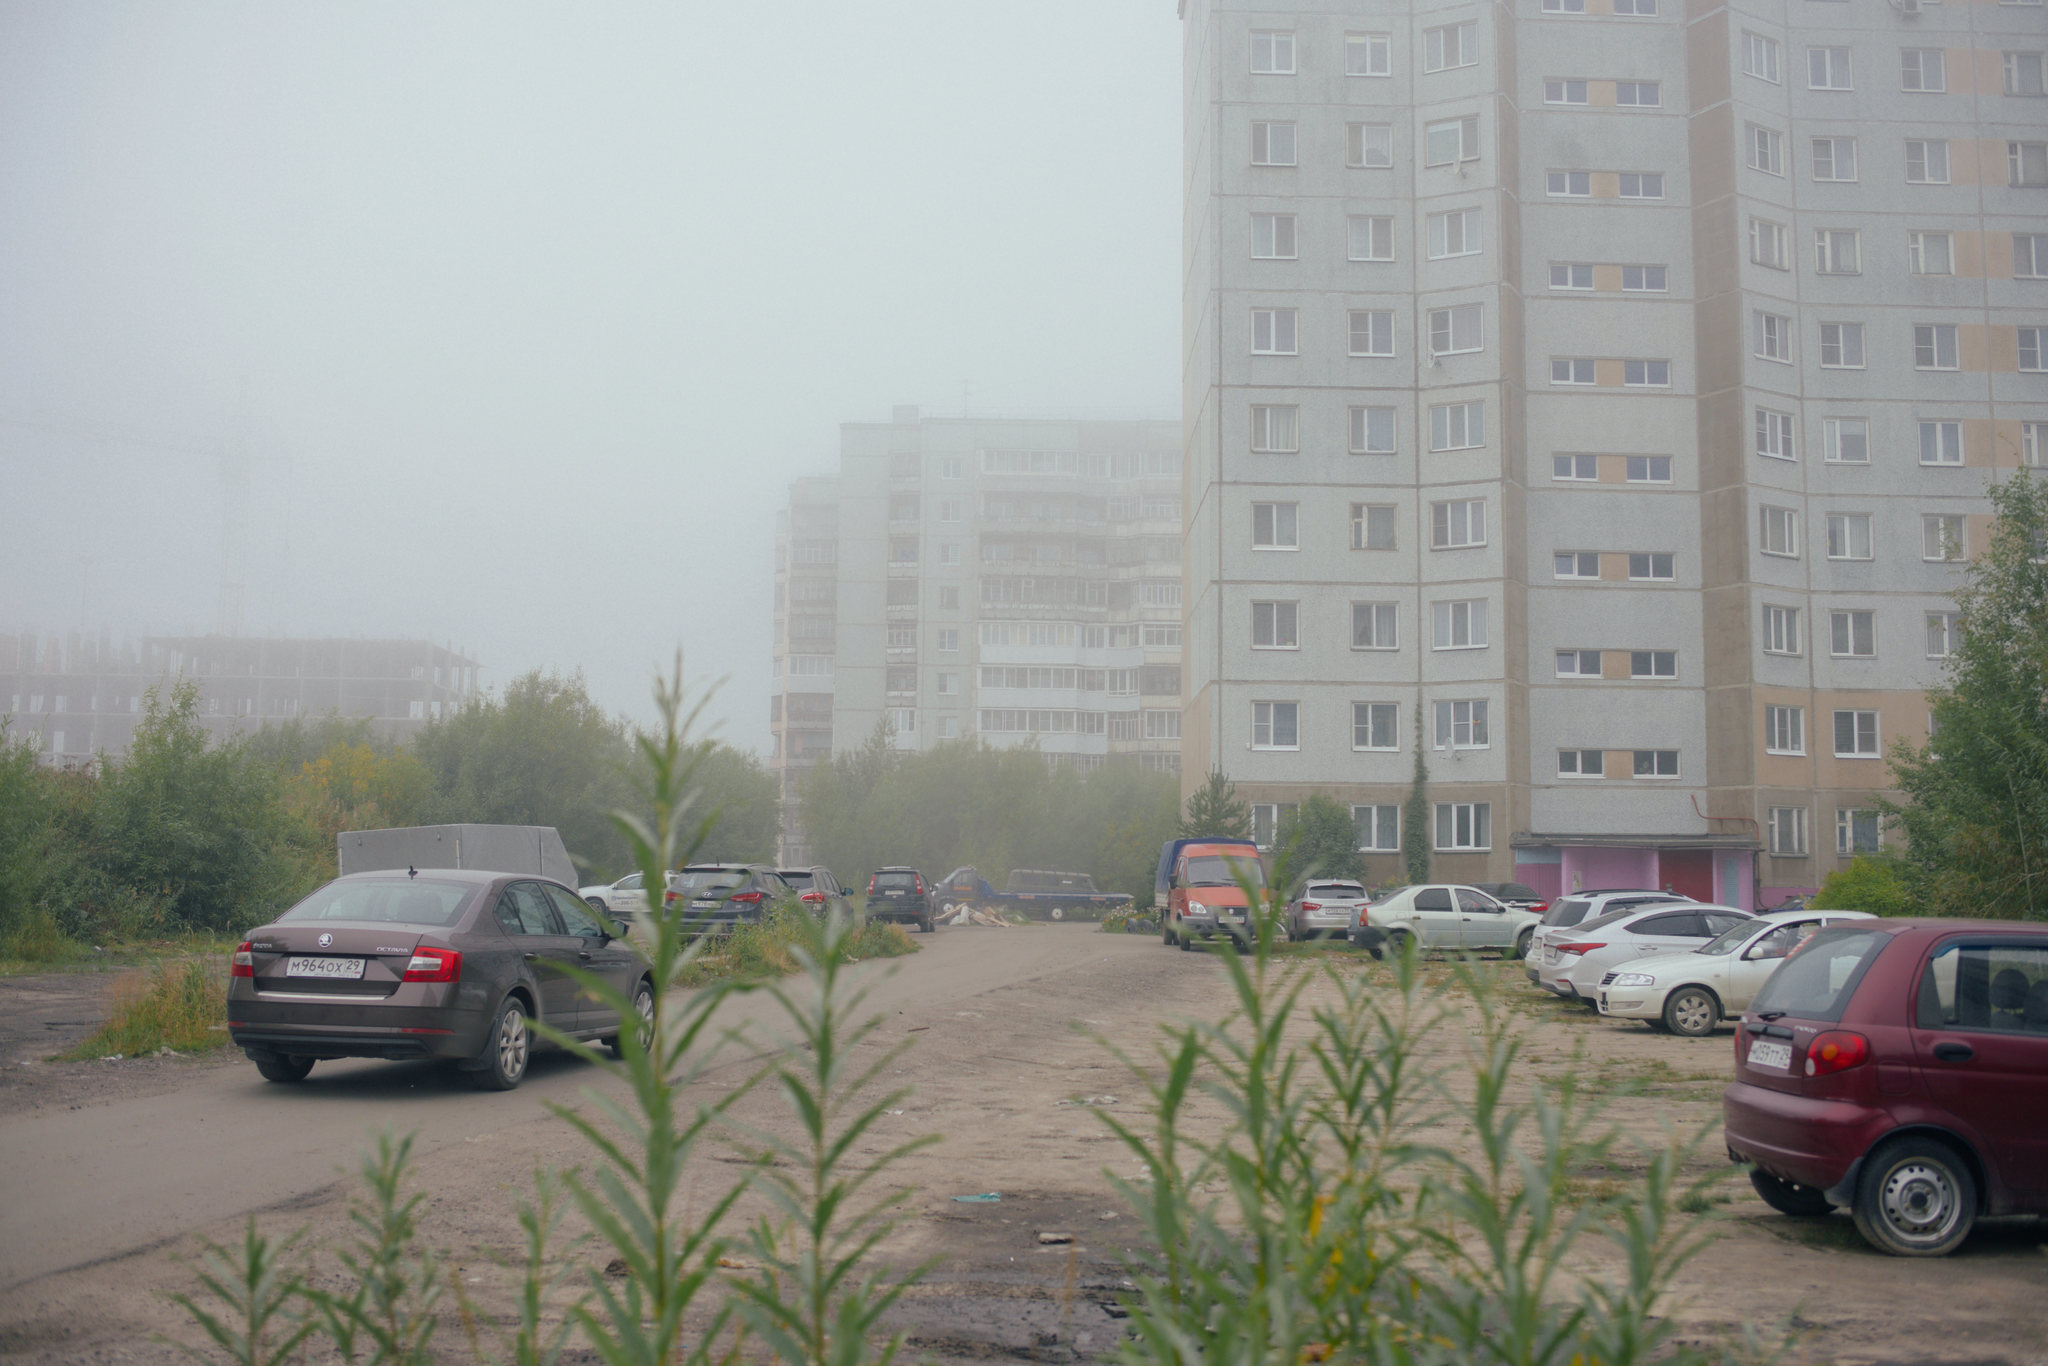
x,y
1869,884
1975,797
1415,816
1214,809
1323,841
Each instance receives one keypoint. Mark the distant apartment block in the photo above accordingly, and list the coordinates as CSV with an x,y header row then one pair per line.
x,y
1019,581
81,696
1600,394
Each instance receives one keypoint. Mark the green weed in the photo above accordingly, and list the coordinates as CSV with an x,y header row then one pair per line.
x,y
180,1005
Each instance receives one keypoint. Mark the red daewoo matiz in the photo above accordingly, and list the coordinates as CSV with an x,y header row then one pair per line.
x,y
1899,1068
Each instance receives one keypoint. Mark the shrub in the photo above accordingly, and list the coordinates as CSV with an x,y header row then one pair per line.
x,y
1867,884
177,1005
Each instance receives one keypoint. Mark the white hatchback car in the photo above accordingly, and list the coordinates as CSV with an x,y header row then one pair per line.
x,y
1690,993
1567,913
1574,963
1443,916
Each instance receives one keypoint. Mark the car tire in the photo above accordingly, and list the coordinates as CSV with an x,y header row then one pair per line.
x,y
597,904
1800,1202
1522,942
925,925
1398,942
508,1048
1166,929
1915,1197
643,1012
281,1067
1186,942
1691,1012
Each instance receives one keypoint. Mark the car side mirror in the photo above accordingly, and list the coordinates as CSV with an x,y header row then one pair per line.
x,y
620,929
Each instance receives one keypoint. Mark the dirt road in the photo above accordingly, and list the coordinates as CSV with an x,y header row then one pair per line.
x,y
99,1203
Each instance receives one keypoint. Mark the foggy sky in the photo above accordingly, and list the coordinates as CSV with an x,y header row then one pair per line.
x,y
529,313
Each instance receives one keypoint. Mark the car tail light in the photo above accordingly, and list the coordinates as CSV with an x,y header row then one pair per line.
x,y
1577,948
243,964
871,886
1540,908
434,965
917,885
746,898
1837,1050
671,898
1311,905
817,898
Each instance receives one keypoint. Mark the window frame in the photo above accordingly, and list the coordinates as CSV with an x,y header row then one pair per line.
x,y
1372,730
1477,820
1273,518
1271,724
1376,613
1281,622
1785,729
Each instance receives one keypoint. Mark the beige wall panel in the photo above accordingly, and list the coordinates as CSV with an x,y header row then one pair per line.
x,y
1976,533
1618,763
1195,758
1608,374
1613,469
1724,434
1607,279
1707,63
1614,665
1607,184
1614,566
2001,349
1600,94
1724,536
1725,635
1986,68
1718,349
1985,441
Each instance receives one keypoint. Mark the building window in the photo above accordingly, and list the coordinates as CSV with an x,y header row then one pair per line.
x,y
1766,150
1450,141
1457,426
1271,822
949,640
1378,827
1941,536
1453,45
1456,233
1788,831
1780,528
1458,524
1159,594
2023,74
1651,566
1571,275
1646,374
1274,526
1576,468
1781,630
2026,165
1456,331
1273,236
1641,185
1774,435
1371,332
949,685
1653,663
1369,146
1581,763
1644,279
1374,725
1834,158
1461,725
1655,763
1276,428
1767,244
2030,256
1785,730
1760,57
1372,626
1922,69
1853,634
1162,724
1460,624
1934,346
1647,469
1369,237
1855,831
1564,92
1372,526
1773,335
1848,536
1273,626
2030,350
1273,332
1579,370
1930,253
1926,161
1575,564
1372,431
1564,6
1159,635
1845,440
1272,144
1578,664
1837,251
2034,444
1569,184
902,720
1272,52
1941,443
1856,735
1941,634
1638,95
1827,68
1463,826
1274,725
1368,54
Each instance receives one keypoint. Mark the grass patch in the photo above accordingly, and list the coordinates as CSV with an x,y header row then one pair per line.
x,y
758,953
61,954
178,1004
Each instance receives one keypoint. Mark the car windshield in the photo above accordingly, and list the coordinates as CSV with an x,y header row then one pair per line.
x,y
705,881
1729,940
389,901
1339,891
1816,982
1217,870
1569,911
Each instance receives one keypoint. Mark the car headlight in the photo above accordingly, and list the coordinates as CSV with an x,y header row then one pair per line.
x,y
1635,979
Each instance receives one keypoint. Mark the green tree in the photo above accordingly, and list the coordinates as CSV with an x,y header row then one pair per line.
x,y
1975,797
1868,884
1323,841
734,783
1415,815
1214,809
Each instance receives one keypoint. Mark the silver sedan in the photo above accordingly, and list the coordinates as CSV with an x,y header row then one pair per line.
x,y
1325,908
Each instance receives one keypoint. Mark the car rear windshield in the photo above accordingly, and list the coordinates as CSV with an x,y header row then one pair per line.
x,y
1214,870
796,878
1337,890
1570,911
1601,922
393,901
701,880
904,882
1816,982
1507,891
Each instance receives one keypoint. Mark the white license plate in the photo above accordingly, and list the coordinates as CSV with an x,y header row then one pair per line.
x,y
1776,1056
704,905
1556,957
323,967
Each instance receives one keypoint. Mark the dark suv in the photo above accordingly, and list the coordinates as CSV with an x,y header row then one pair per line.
x,y
1899,1068
900,895
817,889
712,898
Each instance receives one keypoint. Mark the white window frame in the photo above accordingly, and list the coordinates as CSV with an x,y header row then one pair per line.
x,y
1457,426
1784,729
1776,434
1638,95
1279,523
1276,428
1459,330
2030,344
1451,618
1766,149
1937,346
1864,730
1927,152
1369,332
1470,230
1838,251
1379,723
1648,279
1769,244
1464,827
1844,633
1788,831
1267,730
1272,52
1384,822
1568,184
1942,631
1369,518
1944,537
1459,724
1781,631
1274,237
1840,436
1572,368
1274,142
1466,127
1918,66
1655,469
1368,54
1761,57
1368,237
1841,346
1849,536
1382,623
1448,47
1837,162
1829,68
1279,329
1640,185
1368,423
1566,91
1575,564
1931,252
1772,335
1645,373
1457,524
1369,146
1276,624
1941,438
1778,531
1847,818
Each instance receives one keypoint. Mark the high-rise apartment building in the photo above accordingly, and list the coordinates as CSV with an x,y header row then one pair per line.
x,y
1600,394
1016,580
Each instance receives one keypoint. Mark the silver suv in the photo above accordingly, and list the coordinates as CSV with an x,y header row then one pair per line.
x,y
1567,913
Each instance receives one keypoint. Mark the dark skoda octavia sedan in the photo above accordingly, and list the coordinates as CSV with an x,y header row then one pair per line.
x,y
435,963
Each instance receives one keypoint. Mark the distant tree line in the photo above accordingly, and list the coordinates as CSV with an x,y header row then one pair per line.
x,y
179,834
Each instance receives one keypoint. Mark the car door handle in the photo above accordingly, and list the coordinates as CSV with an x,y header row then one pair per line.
x,y
1950,1051
584,954
533,958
